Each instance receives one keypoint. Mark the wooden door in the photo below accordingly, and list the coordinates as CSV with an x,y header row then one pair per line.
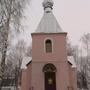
x,y
50,81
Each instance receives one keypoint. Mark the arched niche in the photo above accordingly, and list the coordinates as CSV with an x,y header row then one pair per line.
x,y
48,46
49,76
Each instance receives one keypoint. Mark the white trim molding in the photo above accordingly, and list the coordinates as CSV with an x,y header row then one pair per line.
x,y
48,38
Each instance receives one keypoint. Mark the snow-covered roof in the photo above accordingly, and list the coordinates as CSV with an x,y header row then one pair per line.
x,y
72,61
25,61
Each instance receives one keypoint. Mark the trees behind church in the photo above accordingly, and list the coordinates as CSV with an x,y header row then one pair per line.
x,y
85,58
14,61
11,13
81,55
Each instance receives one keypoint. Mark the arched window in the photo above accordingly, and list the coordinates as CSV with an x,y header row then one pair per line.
x,y
49,68
48,46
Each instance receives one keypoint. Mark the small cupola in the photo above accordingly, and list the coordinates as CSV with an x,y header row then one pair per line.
x,y
48,23
48,5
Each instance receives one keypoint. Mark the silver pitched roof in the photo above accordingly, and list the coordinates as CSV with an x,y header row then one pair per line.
x,y
48,23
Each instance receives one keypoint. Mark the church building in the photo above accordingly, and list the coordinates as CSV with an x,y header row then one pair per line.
x,y
49,68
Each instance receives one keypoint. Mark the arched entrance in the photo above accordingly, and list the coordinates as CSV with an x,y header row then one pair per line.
x,y
50,76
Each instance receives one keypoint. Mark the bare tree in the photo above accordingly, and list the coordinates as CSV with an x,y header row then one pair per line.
x,y
29,51
72,50
17,53
86,48
69,48
14,58
10,16
9,69
86,44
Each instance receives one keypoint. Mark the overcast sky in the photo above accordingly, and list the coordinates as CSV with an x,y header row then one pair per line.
x,y
72,15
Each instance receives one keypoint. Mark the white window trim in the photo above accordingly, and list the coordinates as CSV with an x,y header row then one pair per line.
x,y
48,38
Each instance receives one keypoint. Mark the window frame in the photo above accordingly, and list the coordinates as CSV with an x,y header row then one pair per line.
x,y
45,44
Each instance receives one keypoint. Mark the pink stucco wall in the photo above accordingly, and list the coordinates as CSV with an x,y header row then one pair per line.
x,y
62,77
59,47
29,76
72,77
65,76
58,57
24,80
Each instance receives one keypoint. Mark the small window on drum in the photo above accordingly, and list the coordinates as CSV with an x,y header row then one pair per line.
x,y
48,46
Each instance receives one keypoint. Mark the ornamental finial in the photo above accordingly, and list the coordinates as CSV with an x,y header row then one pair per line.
x,y
48,4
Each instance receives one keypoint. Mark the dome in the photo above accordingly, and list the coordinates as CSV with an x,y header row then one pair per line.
x,y
48,23
48,3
